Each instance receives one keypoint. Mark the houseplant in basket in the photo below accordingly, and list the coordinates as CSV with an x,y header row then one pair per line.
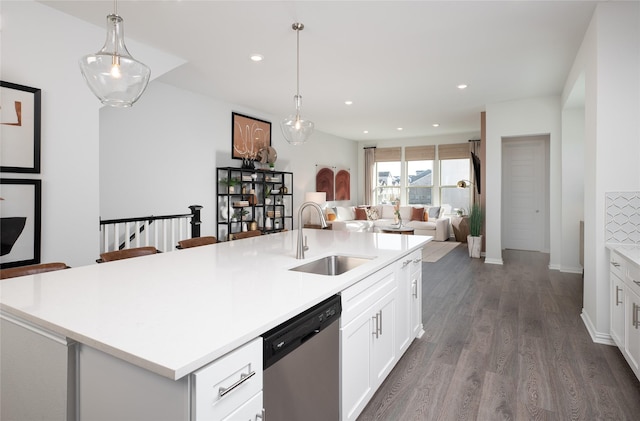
x,y
474,239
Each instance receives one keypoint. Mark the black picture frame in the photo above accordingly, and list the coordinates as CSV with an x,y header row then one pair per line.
x,y
20,124
249,135
20,222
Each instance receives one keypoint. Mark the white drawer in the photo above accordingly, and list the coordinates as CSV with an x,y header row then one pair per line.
x,y
252,410
227,383
633,278
358,297
616,264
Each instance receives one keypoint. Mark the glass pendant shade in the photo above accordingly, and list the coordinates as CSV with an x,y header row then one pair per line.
x,y
116,78
296,130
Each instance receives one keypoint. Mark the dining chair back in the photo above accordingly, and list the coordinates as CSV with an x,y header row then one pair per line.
x,y
31,269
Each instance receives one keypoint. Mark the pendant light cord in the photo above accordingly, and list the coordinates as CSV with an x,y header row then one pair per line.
x,y
298,59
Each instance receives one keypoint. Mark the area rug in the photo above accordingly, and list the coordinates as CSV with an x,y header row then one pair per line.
x,y
435,250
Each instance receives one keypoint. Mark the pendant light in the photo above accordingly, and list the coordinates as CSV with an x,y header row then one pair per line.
x,y
295,128
116,78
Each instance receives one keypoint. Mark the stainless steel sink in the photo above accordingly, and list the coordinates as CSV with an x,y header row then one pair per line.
x,y
332,265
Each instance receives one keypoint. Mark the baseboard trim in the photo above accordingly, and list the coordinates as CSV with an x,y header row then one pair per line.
x,y
597,337
577,270
493,261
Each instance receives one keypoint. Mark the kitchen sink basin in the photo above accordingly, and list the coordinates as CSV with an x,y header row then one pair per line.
x,y
332,265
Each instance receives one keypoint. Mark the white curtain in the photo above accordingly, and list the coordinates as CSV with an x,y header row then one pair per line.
x,y
369,174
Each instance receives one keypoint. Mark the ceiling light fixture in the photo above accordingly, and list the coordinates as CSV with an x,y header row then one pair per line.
x,y
462,86
436,124
257,57
348,102
399,129
295,129
116,78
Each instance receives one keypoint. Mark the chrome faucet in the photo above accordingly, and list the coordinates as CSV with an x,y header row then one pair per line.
x,y
302,246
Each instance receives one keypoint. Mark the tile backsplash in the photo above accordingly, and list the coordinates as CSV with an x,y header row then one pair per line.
x,y
622,219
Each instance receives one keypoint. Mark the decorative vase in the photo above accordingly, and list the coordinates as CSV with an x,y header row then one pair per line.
x,y
232,189
475,246
267,200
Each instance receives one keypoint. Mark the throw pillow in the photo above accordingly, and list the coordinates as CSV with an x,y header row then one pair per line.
x,y
330,213
361,214
434,212
372,214
417,214
345,213
425,216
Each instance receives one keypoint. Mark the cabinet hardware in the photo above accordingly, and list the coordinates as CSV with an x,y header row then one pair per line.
x,y
376,330
417,260
635,315
615,264
405,263
636,282
381,322
243,378
414,286
261,416
617,296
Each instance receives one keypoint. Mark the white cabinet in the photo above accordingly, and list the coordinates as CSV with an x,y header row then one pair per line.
x,y
228,388
632,321
617,309
230,385
367,339
624,278
409,308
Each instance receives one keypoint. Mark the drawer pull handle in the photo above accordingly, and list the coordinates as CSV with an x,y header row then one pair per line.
x,y
405,263
243,378
417,260
381,322
261,416
635,315
617,296
615,264
377,327
415,288
636,282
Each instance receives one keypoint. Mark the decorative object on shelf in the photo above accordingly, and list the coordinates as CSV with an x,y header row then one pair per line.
x,y
267,195
253,226
295,129
20,222
343,185
268,155
113,75
325,180
244,227
239,214
474,239
284,190
250,134
230,183
20,128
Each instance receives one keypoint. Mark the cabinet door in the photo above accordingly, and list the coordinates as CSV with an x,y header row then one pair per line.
x,y
251,410
384,349
416,303
355,348
617,310
403,305
632,328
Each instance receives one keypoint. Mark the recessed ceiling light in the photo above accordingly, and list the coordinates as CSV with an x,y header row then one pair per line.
x,y
366,132
399,129
462,86
436,124
257,57
348,102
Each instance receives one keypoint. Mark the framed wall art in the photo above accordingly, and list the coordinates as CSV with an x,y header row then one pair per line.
x,y
249,135
20,222
343,184
19,128
325,181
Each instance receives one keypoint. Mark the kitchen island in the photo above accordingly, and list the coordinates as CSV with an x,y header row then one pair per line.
x,y
171,314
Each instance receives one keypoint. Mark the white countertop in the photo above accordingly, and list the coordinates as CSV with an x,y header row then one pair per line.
x,y
172,313
630,251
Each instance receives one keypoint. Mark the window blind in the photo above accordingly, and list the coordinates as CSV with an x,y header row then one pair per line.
x,y
420,153
387,154
454,151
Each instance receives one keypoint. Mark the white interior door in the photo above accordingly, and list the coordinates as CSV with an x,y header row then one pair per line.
x,y
524,203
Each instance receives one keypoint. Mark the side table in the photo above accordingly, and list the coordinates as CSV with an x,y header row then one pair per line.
x,y
460,225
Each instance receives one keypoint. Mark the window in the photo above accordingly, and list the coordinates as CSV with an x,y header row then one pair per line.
x,y
420,182
388,182
452,171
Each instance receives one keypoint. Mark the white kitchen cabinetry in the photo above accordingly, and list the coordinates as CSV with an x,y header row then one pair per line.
x,y
367,339
110,388
632,324
624,278
409,308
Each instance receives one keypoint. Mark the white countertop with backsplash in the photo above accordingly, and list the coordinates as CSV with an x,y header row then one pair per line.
x,y
172,313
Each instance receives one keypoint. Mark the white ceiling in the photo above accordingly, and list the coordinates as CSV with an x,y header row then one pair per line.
x,y
398,61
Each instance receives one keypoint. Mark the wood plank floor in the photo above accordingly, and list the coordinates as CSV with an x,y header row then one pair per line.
x,y
505,343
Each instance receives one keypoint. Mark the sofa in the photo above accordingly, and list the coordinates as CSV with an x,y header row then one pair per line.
x,y
427,220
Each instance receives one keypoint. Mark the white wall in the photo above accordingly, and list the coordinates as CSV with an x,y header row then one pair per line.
x,y
528,117
611,64
160,156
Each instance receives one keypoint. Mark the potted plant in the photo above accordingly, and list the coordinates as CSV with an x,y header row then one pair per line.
x,y
230,183
474,239
239,214
267,195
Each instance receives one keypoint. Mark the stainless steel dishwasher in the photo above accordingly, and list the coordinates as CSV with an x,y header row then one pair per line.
x,y
301,366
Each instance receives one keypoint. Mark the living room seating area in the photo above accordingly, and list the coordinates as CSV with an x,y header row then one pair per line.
x,y
425,220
